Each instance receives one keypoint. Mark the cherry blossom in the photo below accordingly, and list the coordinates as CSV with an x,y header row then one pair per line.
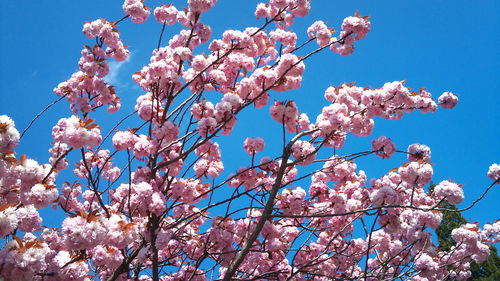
x,y
160,196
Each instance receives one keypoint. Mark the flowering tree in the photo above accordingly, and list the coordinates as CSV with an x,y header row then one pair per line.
x,y
169,213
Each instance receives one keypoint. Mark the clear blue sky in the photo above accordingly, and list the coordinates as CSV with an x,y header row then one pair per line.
x,y
439,45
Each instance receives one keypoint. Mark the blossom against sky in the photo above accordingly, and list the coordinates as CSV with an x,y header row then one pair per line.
x,y
431,44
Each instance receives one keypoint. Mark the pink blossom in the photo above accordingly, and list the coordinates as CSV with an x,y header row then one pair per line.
x,y
494,172
189,190
8,221
76,133
383,146
143,147
77,271
449,191
166,14
300,7
448,100
303,152
201,6
321,32
207,126
56,152
167,132
357,25
93,62
40,196
287,38
81,233
29,219
124,140
418,152
110,36
253,146
291,200
211,168
136,10
9,136
208,150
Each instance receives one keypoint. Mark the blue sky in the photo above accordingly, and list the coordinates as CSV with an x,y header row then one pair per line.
x,y
439,45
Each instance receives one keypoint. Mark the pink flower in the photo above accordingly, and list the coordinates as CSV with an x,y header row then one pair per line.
x,y
449,191
143,147
418,152
105,30
211,168
77,133
136,10
384,147
207,126
494,172
208,150
303,152
448,100
287,38
167,14
321,32
384,196
8,221
40,196
252,145
9,136
124,140
81,233
201,6
356,25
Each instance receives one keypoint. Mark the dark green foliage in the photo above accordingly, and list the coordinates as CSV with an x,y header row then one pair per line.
x,y
451,220
487,271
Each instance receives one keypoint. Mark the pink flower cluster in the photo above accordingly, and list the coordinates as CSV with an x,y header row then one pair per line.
x,y
353,108
201,6
289,115
161,73
100,160
360,26
252,146
284,10
166,14
78,88
157,216
320,32
93,62
76,133
448,100
189,191
57,153
141,145
9,136
136,10
494,172
139,199
291,201
221,117
471,243
303,152
449,191
26,219
287,38
419,152
106,31
210,163
383,147
353,29
81,233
